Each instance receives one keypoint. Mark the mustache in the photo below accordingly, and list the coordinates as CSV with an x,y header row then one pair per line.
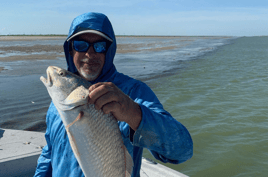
x,y
91,61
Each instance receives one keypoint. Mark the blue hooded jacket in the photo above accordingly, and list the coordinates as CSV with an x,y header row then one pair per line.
x,y
166,138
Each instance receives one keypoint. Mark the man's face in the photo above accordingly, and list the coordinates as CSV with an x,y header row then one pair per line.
x,y
89,64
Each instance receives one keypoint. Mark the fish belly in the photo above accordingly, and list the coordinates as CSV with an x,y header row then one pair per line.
x,y
96,141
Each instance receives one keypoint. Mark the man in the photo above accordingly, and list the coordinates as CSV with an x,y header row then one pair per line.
x,y
90,49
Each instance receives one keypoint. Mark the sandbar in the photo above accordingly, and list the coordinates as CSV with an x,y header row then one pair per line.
x,y
52,52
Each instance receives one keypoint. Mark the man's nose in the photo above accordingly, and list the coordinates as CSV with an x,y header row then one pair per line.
x,y
90,51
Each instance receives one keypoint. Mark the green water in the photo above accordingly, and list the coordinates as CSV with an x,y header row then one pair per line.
x,y
222,99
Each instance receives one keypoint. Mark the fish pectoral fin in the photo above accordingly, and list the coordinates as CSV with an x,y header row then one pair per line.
x,y
77,97
128,162
80,115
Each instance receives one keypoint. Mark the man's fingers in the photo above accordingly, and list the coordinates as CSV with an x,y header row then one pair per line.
x,y
109,98
105,99
111,107
96,91
94,86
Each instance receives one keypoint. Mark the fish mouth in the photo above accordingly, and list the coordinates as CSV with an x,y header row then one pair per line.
x,y
48,82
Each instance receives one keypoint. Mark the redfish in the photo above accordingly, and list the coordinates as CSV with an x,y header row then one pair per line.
x,y
95,137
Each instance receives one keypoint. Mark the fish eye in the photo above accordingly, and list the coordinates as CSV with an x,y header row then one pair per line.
x,y
62,73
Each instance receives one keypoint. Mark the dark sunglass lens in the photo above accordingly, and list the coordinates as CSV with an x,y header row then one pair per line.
x,y
100,47
80,46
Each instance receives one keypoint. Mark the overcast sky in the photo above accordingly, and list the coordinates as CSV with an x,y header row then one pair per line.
x,y
139,17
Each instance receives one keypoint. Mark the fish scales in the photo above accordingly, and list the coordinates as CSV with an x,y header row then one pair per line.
x,y
100,143
95,137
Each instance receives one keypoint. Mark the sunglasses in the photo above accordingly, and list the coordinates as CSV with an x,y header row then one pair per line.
x,y
83,46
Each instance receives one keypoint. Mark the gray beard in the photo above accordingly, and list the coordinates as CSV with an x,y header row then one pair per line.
x,y
89,77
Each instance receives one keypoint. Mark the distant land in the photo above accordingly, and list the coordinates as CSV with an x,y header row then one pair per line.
x,y
64,35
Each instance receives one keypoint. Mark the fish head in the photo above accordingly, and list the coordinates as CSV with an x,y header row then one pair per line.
x,y
60,84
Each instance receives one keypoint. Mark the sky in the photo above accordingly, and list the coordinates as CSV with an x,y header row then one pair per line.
x,y
139,17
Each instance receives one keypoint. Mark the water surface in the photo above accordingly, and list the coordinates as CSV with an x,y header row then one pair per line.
x,y
216,87
221,98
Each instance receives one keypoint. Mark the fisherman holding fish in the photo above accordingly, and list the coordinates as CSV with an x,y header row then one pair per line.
x,y
89,50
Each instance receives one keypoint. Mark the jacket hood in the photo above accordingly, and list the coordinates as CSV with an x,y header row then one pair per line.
x,y
98,22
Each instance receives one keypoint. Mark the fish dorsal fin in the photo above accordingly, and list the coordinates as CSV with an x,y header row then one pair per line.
x,y
77,97
128,163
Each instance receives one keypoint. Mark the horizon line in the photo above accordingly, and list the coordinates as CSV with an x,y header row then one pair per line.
x,y
126,35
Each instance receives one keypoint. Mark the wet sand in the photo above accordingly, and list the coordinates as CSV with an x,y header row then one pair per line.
x,y
133,48
32,52
1,69
54,51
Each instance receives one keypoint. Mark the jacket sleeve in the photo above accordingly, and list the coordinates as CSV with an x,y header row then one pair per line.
x,y
166,138
44,168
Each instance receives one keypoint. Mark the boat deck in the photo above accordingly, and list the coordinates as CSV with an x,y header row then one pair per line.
x,y
19,151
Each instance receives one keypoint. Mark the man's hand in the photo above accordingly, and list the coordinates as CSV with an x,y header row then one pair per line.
x,y
109,98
